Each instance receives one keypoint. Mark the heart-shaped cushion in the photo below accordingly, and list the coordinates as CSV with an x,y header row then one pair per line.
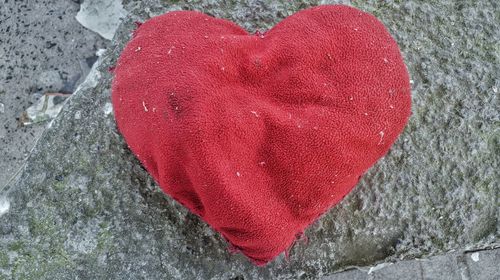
x,y
261,134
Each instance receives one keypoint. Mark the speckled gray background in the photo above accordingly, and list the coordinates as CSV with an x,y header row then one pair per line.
x,y
42,48
83,208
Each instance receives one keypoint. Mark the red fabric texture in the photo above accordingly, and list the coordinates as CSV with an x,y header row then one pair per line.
x,y
261,134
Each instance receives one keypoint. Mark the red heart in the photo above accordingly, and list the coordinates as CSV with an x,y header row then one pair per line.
x,y
261,134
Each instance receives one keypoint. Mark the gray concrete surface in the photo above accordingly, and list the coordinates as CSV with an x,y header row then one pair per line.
x,y
42,48
481,265
83,208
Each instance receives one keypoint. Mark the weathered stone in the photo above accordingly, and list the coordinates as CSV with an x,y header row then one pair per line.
x,y
83,207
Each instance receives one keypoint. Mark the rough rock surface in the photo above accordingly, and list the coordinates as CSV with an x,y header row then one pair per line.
x,y
83,208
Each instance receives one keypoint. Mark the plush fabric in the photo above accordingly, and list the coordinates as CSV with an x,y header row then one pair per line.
x,y
261,134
